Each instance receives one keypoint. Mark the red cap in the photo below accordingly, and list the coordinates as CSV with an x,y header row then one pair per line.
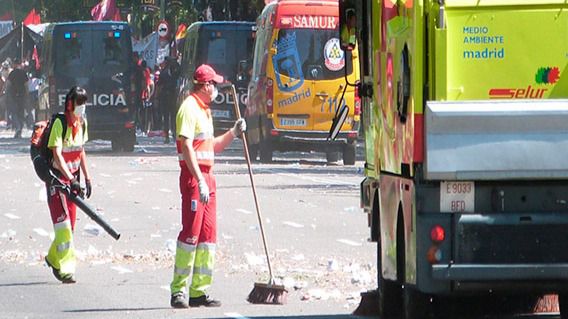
x,y
204,73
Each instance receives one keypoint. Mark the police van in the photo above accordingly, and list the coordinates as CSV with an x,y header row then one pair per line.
x,y
98,57
228,48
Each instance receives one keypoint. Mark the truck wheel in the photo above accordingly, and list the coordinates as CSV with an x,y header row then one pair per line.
x,y
116,144
563,305
265,151
417,305
349,154
390,298
128,146
332,157
252,150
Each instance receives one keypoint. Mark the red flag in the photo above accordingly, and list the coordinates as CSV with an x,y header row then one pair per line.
x,y
32,18
106,10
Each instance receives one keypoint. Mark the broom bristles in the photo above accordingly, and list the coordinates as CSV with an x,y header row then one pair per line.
x,y
268,294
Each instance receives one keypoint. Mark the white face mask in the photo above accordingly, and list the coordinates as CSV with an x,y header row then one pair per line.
x,y
214,94
79,110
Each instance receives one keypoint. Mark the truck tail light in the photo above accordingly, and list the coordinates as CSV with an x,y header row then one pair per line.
x,y
437,234
434,255
269,96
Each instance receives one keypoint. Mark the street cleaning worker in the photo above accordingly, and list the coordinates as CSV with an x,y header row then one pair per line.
x,y
196,145
68,160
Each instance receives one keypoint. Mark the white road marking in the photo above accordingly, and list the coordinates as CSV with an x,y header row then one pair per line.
x,y
235,315
292,224
41,232
121,270
349,242
319,180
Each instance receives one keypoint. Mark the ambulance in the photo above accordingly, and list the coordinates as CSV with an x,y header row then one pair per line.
x,y
300,74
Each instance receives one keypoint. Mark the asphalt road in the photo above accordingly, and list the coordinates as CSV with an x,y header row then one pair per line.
x,y
317,236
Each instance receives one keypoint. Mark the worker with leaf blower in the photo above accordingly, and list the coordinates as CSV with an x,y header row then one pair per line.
x,y
67,136
196,145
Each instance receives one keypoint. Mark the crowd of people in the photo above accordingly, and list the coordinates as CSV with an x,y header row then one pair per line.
x,y
156,97
18,94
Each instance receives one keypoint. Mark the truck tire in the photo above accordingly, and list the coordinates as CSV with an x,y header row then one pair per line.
x,y
128,146
417,305
116,144
390,298
252,150
390,291
266,152
563,305
332,157
349,154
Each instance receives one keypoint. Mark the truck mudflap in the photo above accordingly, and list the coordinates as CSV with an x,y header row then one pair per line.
x,y
496,140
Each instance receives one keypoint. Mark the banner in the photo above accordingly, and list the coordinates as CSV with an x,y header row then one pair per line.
x,y
147,49
5,28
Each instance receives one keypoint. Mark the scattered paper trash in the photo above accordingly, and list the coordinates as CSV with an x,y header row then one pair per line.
x,y
292,224
254,260
349,242
332,265
121,270
12,216
41,232
93,229
171,245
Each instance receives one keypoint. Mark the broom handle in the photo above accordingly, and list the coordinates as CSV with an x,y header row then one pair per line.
x,y
247,157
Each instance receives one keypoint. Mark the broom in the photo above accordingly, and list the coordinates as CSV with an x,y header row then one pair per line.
x,y
262,293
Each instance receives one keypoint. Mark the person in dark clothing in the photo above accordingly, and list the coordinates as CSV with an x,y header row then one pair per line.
x,y
168,96
16,90
138,87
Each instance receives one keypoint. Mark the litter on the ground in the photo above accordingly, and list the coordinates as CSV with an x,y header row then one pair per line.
x,y
349,242
292,224
11,216
41,232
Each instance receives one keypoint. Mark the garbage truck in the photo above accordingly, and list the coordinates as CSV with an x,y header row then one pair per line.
x,y
465,119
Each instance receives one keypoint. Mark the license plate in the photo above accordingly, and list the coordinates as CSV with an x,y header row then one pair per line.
x,y
457,197
221,113
292,122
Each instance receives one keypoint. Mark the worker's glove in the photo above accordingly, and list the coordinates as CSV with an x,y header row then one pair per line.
x,y
203,191
76,188
239,127
88,189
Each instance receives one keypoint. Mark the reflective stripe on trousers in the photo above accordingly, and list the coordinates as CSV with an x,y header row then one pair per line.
x,y
198,260
61,254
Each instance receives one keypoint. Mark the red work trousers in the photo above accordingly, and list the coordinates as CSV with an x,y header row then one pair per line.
x,y
199,220
60,207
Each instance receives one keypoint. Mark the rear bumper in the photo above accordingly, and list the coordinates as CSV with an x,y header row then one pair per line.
x,y
500,272
310,140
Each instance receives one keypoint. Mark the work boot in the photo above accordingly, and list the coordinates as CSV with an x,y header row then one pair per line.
x,y
204,301
64,278
178,300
